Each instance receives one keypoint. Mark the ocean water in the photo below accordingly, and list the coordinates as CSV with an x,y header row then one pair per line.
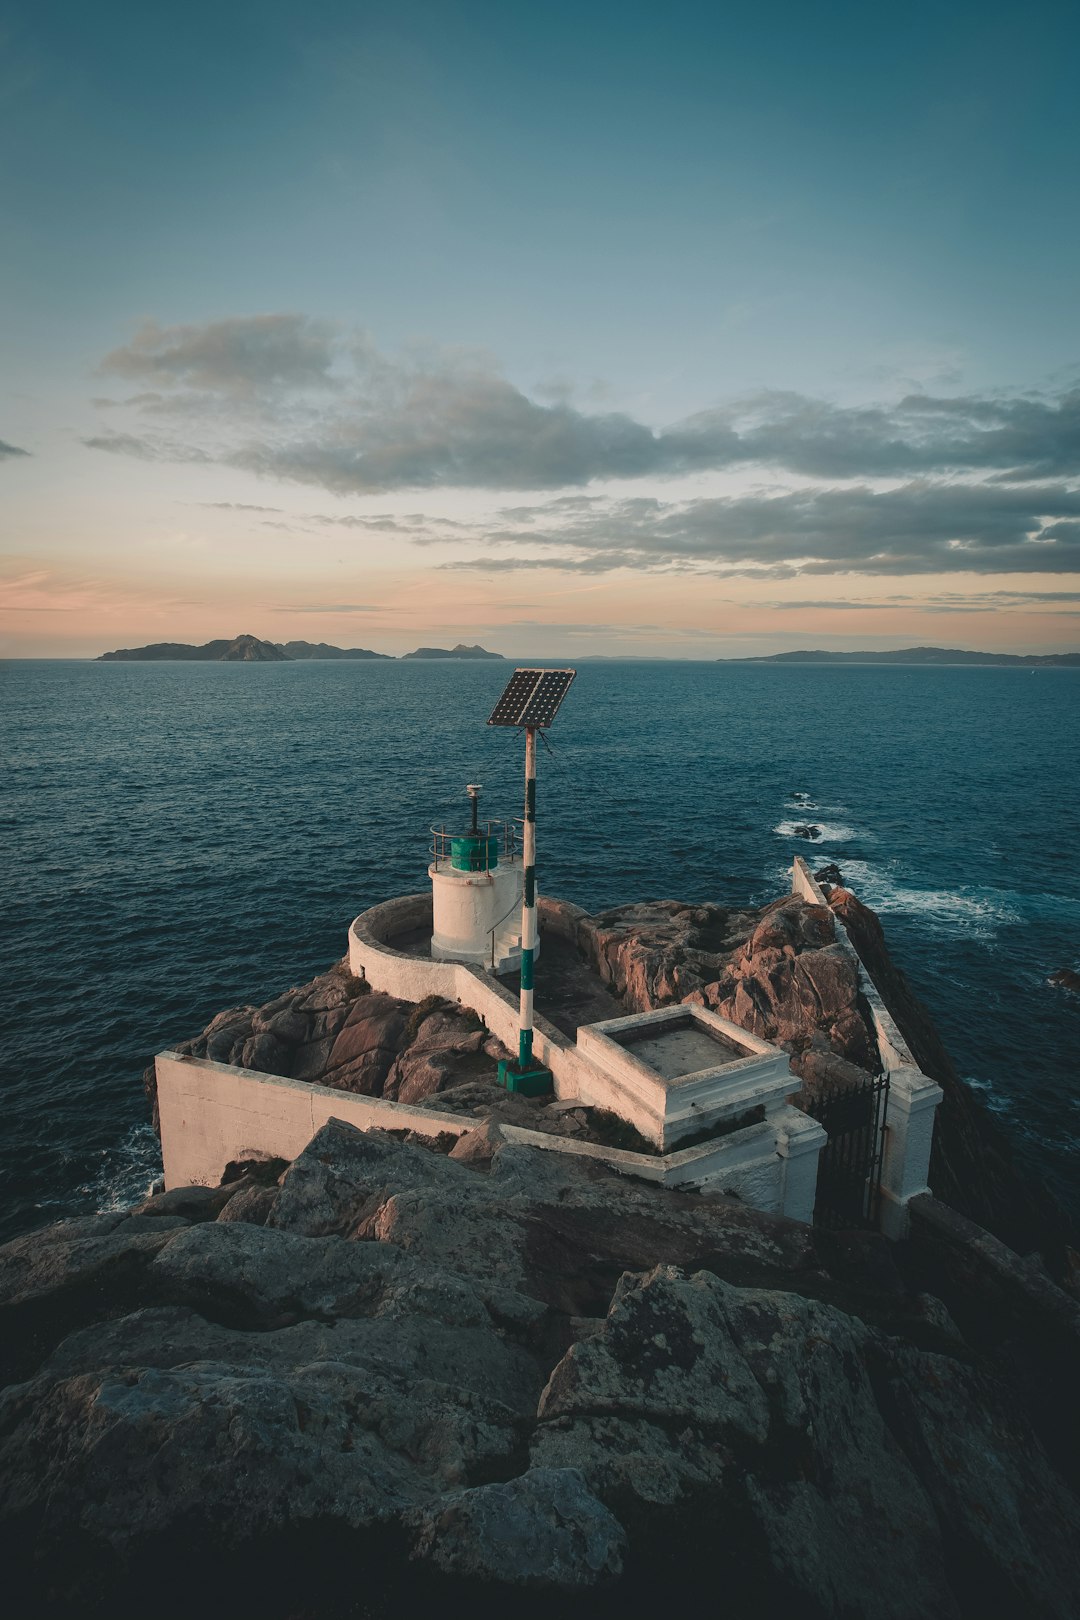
x,y
180,838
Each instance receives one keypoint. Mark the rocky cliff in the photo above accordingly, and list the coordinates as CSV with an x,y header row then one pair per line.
x,y
409,1375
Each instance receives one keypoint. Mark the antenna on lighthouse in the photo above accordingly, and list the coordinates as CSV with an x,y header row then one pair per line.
x,y
530,702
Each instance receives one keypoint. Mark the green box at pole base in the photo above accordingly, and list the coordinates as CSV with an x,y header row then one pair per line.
x,y
535,1081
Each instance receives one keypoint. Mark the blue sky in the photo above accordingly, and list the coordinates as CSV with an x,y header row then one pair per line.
x,y
387,221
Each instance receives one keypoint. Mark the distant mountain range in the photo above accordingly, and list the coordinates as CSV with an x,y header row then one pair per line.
x,y
912,655
251,650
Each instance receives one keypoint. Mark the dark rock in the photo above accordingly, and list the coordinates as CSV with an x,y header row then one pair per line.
x,y
665,1355
516,1382
264,1053
193,1203
264,1169
810,831
477,1148
363,1052
1068,979
253,1204
545,1529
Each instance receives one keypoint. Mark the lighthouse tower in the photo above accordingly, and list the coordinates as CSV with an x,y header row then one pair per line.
x,y
477,882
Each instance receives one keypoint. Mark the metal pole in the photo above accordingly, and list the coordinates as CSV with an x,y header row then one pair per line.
x,y
528,905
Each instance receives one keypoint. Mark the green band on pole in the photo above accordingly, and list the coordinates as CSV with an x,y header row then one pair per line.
x,y
530,886
526,969
525,1049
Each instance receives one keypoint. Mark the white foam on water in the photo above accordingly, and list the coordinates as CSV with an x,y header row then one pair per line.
x,y
967,910
993,1099
829,832
128,1172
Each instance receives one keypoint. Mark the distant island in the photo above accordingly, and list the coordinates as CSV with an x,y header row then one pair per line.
x,y
252,650
240,650
460,651
912,655
323,649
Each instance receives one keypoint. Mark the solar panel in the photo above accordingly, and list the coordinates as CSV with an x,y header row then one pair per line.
x,y
533,697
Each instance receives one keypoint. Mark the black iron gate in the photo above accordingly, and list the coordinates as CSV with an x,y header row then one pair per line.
x,y
849,1169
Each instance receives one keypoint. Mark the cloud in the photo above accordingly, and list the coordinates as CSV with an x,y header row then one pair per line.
x,y
9,450
143,449
978,484
242,356
235,506
292,398
923,527
942,602
422,528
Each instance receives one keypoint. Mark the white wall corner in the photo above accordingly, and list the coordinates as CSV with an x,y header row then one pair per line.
x,y
799,1141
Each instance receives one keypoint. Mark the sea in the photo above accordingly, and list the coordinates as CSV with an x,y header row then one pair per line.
x,y
182,838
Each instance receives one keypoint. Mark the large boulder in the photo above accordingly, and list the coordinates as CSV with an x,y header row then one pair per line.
x,y
512,1377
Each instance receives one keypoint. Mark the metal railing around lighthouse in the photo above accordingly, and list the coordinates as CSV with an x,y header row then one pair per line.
x,y
500,834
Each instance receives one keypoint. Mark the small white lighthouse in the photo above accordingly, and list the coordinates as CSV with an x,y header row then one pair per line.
x,y
477,883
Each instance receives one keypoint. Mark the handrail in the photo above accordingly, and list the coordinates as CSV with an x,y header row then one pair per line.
x,y
501,829
516,906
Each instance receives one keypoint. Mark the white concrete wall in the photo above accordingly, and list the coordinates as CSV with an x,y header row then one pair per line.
x,y
913,1097
212,1113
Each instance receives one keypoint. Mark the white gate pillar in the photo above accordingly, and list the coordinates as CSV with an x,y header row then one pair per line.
x,y
909,1136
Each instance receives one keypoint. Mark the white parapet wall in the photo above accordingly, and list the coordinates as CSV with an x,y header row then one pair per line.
x,y
214,1113
913,1097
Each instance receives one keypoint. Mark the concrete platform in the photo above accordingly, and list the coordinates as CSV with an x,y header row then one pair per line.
x,y
679,1071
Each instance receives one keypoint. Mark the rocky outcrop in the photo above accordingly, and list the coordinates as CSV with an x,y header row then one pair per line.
x,y
336,1031
339,1032
459,650
778,972
406,1382
781,973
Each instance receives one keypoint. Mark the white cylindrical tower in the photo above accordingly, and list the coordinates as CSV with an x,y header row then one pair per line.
x,y
477,885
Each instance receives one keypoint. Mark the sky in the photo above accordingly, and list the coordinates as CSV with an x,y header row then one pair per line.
x,y
694,330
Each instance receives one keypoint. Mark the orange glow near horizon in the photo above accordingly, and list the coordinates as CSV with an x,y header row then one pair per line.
x,y
50,610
